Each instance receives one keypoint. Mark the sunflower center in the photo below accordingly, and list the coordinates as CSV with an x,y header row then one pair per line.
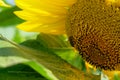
x,y
93,28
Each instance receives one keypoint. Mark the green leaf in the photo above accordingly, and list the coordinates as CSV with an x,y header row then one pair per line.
x,y
59,45
10,55
54,41
42,70
116,77
48,61
19,72
8,18
17,36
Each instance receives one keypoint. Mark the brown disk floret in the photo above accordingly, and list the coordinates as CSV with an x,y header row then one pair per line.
x,y
93,28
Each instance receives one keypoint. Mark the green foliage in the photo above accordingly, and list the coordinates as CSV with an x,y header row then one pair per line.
x,y
45,61
116,77
8,18
19,72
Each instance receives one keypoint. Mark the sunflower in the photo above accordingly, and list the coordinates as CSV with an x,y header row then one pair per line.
x,y
91,25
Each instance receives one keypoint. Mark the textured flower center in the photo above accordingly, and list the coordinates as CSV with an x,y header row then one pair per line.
x,y
93,27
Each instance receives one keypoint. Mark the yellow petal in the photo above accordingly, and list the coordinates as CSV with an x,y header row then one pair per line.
x,y
26,15
3,4
34,26
46,16
52,6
